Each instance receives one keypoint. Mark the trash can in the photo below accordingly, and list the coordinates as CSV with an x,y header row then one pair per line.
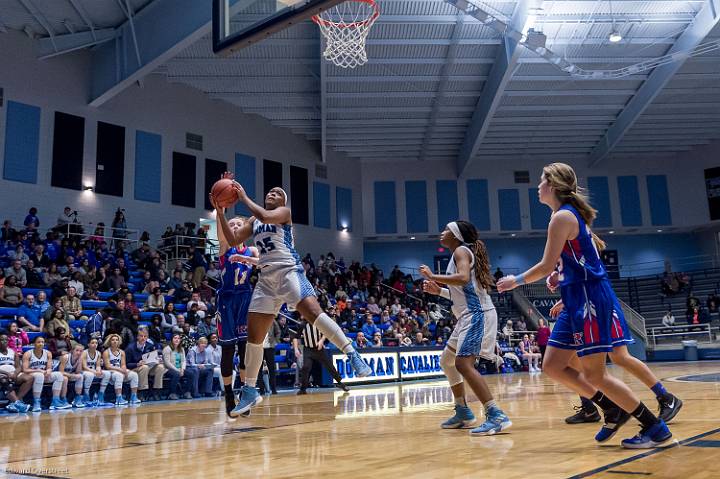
x,y
691,350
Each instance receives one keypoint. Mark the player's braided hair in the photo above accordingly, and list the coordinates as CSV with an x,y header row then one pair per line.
x,y
482,259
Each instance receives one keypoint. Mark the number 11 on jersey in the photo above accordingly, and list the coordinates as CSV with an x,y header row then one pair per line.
x,y
240,279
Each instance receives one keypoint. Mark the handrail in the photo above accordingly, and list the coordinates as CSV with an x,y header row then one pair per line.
x,y
635,321
176,243
91,227
680,263
689,329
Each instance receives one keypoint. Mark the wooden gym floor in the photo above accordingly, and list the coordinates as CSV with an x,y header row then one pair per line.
x,y
388,430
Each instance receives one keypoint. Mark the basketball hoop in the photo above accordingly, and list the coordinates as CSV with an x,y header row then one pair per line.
x,y
345,28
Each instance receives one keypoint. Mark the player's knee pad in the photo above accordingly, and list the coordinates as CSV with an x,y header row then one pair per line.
x,y
447,363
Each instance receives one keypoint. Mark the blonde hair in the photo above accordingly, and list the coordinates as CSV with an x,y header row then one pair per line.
x,y
563,180
106,344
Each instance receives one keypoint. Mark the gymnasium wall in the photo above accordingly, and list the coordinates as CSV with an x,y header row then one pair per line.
x,y
155,117
632,196
637,254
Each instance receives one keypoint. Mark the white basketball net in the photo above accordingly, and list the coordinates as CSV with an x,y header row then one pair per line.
x,y
345,28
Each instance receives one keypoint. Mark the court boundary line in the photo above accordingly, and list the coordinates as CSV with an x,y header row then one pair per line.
x,y
643,455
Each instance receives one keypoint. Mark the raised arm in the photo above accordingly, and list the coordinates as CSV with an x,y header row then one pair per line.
x,y
226,237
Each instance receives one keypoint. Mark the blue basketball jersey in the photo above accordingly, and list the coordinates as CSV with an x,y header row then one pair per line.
x,y
235,275
580,260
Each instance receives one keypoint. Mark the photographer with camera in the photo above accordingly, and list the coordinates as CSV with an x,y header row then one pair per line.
x,y
68,222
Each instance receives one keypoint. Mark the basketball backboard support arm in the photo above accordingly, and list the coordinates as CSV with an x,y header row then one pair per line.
x,y
225,41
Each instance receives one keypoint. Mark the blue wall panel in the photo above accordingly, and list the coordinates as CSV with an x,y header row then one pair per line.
x,y
659,200
245,174
509,206
629,201
22,141
478,204
321,205
385,208
600,199
148,166
343,207
416,210
539,213
447,202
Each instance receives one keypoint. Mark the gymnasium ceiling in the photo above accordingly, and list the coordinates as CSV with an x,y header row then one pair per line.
x,y
424,95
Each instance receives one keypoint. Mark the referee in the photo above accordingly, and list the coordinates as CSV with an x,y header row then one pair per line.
x,y
314,345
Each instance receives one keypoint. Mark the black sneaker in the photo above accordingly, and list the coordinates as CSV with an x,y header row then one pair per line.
x,y
669,407
583,415
615,418
344,387
301,392
229,403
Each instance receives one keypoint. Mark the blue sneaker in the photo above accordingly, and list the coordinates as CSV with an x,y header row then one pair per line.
x,y
21,406
249,398
615,418
650,437
58,404
36,406
78,402
463,417
134,400
100,399
361,369
121,401
495,421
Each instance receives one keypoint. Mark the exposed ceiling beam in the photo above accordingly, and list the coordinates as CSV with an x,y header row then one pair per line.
x,y
705,21
498,79
62,44
183,23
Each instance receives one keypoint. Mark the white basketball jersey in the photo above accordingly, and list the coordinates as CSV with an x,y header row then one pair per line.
x,y
115,361
7,361
469,298
38,363
69,365
92,362
276,244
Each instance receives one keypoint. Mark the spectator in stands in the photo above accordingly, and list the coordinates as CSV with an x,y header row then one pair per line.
x,y
205,325
52,275
216,354
155,302
526,350
68,268
162,280
195,299
42,302
77,283
404,341
396,307
691,302
419,340
205,291
59,289
372,306
7,232
60,343
18,254
200,359
72,305
176,365
17,338
285,334
11,294
669,319
377,340
184,294
361,341
198,265
39,257
543,334
694,315
175,283
17,271
213,272
498,274
507,330
115,281
157,335
141,357
713,304
32,222
187,336
119,226
369,328
34,275
118,327
29,316
58,320
169,318
520,325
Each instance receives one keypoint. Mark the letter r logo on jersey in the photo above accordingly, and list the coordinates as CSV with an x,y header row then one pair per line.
x,y
578,337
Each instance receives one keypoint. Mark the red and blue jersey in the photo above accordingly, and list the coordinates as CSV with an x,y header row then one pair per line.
x,y
235,275
580,260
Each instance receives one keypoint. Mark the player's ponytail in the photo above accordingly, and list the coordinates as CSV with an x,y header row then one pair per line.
x,y
482,259
562,179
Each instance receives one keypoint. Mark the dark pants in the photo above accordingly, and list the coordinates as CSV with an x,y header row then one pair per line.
x,y
310,356
174,378
205,380
191,377
269,357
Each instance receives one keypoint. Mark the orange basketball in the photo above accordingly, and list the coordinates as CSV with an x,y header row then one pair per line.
x,y
224,193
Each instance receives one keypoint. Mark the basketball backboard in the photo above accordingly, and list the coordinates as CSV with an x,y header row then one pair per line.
x,y
240,23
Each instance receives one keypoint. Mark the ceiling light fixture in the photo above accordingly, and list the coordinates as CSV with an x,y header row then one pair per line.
x,y
614,35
